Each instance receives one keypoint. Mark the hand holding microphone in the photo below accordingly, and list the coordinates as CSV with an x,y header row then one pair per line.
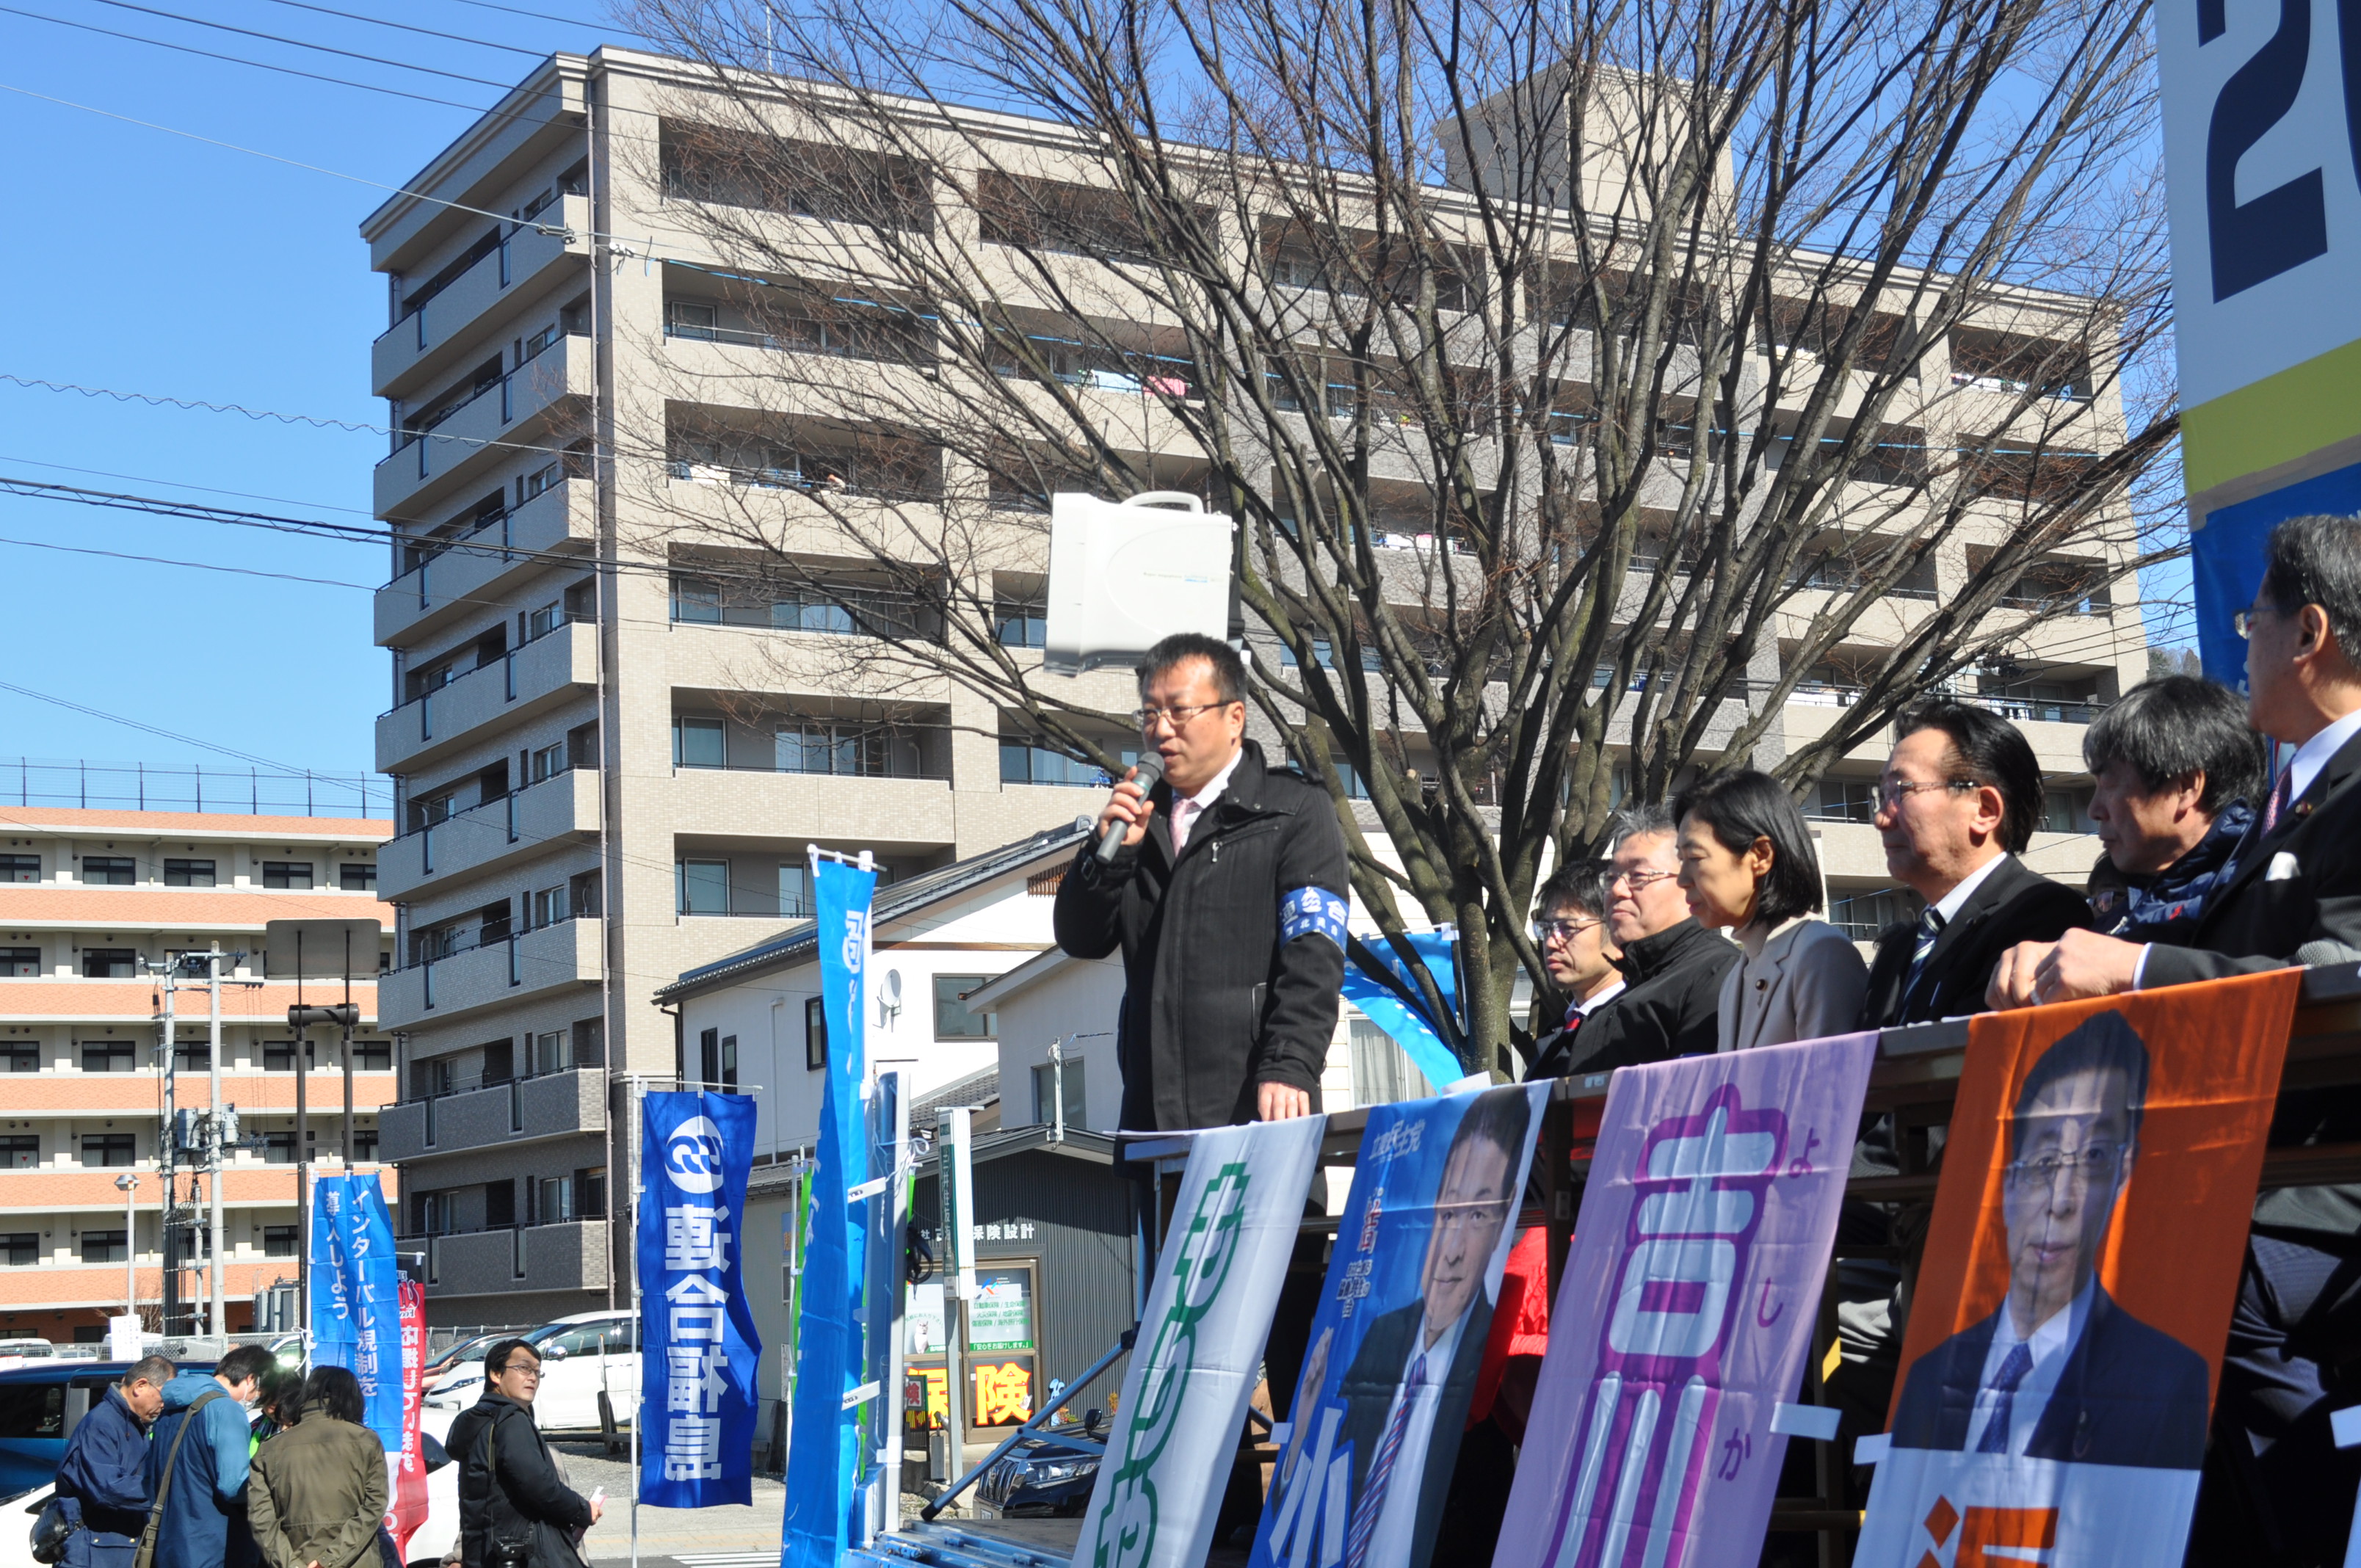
x,y
1125,820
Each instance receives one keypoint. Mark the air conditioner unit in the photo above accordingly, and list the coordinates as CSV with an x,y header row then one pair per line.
x,y
1125,574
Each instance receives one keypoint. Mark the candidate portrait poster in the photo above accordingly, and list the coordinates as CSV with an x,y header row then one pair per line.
x,y
2065,1334
1399,1331
1687,1309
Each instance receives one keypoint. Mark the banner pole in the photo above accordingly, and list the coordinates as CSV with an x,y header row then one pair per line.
x,y
638,1330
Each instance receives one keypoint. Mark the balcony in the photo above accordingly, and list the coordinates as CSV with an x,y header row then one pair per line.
x,y
540,675
530,964
568,1255
517,826
518,1110
561,520
810,805
438,336
475,438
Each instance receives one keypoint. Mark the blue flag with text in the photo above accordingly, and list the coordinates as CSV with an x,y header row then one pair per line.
x,y
356,1285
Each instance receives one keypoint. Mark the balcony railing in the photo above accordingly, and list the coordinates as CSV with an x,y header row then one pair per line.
x,y
2049,710
444,413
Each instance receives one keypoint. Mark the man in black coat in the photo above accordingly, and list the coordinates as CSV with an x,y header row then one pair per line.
x,y
1671,966
509,1489
1228,898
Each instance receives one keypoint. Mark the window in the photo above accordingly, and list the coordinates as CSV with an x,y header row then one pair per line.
x,y
36,1409
1022,623
357,876
499,1204
548,906
540,479
22,1246
372,1056
953,1020
547,762
540,623
1844,800
193,1055
1046,1092
555,1203
20,868
1382,1071
704,887
700,743
278,1148
279,1055
19,963
107,1150
109,870
2064,811
848,751
815,1033
278,1241
552,1051
794,890
188,873
287,873
22,1058
429,1214
20,1151
365,1146
718,1059
109,963
590,1190
105,1056
688,318
1023,763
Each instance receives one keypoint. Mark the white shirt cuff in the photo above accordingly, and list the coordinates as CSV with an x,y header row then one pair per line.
x,y
2140,969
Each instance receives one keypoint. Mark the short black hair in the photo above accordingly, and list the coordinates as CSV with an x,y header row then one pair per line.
x,y
495,1359
2104,1042
1229,670
153,1369
2317,560
1499,1116
281,1392
1745,806
2167,728
1991,752
243,1362
335,1391
1576,884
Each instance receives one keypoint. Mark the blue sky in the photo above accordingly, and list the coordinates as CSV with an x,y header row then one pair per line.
x,y
192,271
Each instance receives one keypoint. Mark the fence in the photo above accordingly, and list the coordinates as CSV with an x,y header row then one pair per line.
x,y
140,787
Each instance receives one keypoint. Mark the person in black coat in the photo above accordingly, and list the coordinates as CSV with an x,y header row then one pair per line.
x,y
1233,938
509,1489
103,1472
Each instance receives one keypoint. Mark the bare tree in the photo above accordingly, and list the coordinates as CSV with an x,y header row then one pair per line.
x,y
1585,381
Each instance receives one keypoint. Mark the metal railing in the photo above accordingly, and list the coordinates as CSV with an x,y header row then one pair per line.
x,y
140,786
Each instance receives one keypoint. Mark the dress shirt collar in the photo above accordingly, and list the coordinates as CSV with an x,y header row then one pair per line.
x,y
1203,799
1599,999
2050,1343
2313,755
1950,903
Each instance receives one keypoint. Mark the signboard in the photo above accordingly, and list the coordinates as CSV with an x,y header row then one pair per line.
x,y
1001,1316
407,1507
1687,1309
2057,1376
357,1301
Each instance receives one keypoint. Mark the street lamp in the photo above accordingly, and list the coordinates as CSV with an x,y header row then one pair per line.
x,y
129,1185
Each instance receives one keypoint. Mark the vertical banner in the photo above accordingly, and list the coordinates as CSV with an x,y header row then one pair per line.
x,y
823,1459
1687,1309
1400,1332
2056,1377
334,1328
1184,1396
376,1280
700,1354
1378,984
406,1497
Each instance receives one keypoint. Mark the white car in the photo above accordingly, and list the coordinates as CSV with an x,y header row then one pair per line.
x,y
581,1356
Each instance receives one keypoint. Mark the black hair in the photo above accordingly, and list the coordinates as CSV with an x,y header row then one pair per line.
x,y
495,1359
1576,884
2104,1042
1638,820
1991,752
1229,670
2317,560
243,1362
334,1391
153,1369
282,1388
1499,1116
2170,728
1744,806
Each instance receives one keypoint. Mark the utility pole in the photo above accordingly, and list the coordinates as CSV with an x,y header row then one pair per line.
x,y
129,1182
169,1306
213,957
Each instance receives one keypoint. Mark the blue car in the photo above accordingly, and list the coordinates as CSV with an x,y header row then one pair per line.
x,y
39,1407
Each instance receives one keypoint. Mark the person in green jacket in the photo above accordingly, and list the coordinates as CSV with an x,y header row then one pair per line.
x,y
319,1489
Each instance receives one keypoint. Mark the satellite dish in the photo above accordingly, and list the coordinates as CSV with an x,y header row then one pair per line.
x,y
1125,574
893,986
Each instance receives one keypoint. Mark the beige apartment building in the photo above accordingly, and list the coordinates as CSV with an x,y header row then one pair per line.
x,y
92,902
609,777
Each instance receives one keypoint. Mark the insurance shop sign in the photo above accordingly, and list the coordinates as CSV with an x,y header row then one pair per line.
x,y
699,1351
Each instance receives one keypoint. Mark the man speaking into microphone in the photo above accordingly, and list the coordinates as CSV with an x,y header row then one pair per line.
x,y
1224,886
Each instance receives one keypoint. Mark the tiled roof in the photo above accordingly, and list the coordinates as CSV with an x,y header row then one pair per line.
x,y
211,823
148,909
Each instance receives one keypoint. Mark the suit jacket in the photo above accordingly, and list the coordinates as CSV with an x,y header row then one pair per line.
x,y
1809,984
1369,1394
1666,1011
2012,905
2128,1395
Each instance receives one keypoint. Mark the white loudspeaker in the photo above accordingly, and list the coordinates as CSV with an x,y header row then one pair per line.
x,y
1125,574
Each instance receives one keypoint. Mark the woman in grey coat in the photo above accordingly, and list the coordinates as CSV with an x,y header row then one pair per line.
x,y
1747,864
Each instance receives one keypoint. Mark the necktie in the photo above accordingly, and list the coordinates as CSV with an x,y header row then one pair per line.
x,y
2013,1368
1930,927
1184,813
2279,800
1381,1469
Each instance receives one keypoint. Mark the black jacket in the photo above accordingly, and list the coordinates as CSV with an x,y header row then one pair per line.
x,y
529,1491
1216,1001
1672,1000
2012,905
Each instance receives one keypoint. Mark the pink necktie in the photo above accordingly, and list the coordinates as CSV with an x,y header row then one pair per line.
x,y
2278,801
1185,812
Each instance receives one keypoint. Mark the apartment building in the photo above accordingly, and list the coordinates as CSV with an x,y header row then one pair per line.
x,y
610,759
92,903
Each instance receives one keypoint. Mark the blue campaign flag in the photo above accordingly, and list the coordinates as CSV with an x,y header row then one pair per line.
x,y
375,1280
335,1326
2225,557
1389,995
823,1456
698,1350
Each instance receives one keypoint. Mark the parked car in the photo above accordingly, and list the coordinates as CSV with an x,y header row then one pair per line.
x,y
1041,1476
581,1356
40,1403
469,1350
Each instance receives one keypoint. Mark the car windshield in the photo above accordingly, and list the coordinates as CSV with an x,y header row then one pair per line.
x,y
473,1350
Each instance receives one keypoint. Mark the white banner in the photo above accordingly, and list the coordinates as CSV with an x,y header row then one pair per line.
x,y
1184,1396
1994,1508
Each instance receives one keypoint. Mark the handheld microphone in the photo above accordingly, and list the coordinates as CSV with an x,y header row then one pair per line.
x,y
1147,770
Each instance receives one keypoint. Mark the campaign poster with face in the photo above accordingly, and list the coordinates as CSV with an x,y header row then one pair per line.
x,y
1399,1331
2058,1371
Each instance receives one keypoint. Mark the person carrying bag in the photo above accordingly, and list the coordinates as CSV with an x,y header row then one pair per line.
x,y
514,1510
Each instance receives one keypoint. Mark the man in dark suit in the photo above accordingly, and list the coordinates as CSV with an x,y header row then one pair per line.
x,y
1957,804
2060,1371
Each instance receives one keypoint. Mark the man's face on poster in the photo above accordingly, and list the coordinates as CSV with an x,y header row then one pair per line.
x,y
1469,1210
2072,1153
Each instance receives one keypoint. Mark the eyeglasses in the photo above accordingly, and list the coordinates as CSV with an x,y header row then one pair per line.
x,y
1890,792
2081,1167
2244,621
520,1370
1179,717
1547,931
1640,881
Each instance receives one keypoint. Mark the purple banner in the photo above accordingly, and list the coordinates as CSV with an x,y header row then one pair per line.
x,y
1687,1310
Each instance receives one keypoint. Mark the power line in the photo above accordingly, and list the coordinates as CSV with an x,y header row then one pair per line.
x,y
183,485
246,757
159,400
405,26
298,43
545,17
192,566
233,59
